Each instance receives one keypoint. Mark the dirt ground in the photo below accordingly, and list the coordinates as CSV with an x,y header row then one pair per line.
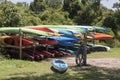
x,y
113,63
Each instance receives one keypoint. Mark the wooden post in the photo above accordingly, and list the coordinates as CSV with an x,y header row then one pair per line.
x,y
20,45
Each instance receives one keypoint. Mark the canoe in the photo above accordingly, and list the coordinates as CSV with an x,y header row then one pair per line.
x,y
14,41
24,30
59,66
101,36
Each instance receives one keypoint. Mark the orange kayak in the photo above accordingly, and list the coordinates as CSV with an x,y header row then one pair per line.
x,y
101,36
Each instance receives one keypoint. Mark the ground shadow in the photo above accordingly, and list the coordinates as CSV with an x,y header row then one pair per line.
x,y
78,73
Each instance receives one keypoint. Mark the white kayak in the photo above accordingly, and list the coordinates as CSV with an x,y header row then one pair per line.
x,y
59,66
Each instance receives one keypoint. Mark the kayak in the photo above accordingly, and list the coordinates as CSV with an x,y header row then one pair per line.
x,y
65,27
101,28
14,53
96,47
65,43
59,66
24,30
40,28
101,36
44,40
14,41
36,54
65,38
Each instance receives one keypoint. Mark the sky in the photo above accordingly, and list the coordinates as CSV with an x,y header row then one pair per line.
x,y
109,3
106,3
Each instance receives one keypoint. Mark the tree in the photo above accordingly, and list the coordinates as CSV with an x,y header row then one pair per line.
x,y
72,7
110,22
117,13
54,3
27,17
38,6
9,14
116,6
86,15
54,16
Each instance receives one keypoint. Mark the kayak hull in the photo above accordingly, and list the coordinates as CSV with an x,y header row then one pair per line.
x,y
59,65
14,41
101,36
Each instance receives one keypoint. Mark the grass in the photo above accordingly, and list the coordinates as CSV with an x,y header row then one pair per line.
x,y
28,70
113,53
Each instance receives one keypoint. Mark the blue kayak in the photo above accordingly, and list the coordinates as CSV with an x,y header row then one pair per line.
x,y
65,32
65,38
65,43
59,66
101,28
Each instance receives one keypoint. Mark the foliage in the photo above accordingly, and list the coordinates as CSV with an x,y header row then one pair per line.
x,y
85,15
54,3
38,6
9,14
72,7
52,16
27,17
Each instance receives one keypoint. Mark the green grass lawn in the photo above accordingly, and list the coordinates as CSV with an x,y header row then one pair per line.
x,y
28,70
113,53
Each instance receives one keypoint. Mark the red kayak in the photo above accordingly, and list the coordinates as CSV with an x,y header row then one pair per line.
x,y
41,28
44,52
37,56
14,41
65,53
57,53
44,29
14,53
47,41
101,36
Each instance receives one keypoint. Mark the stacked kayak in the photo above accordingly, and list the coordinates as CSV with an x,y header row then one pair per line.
x,y
14,41
44,40
101,36
65,40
